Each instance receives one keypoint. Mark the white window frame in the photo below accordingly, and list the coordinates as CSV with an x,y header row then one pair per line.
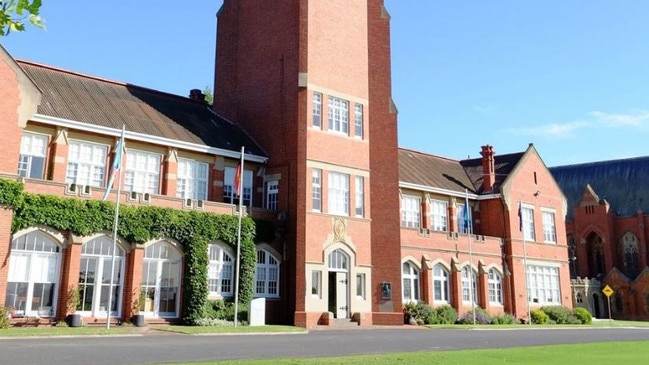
x,y
316,190
317,110
338,193
358,121
316,283
549,226
97,255
410,211
495,283
34,259
192,179
33,152
439,215
410,282
359,208
220,270
469,285
272,194
161,273
142,173
229,193
544,287
360,285
338,115
86,163
527,216
266,275
441,284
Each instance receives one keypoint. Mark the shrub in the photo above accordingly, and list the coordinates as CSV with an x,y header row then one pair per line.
x,y
503,319
560,314
420,311
4,318
539,316
219,309
583,315
481,317
444,314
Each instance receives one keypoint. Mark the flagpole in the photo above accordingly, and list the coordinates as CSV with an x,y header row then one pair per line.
x,y
527,294
467,213
118,165
239,192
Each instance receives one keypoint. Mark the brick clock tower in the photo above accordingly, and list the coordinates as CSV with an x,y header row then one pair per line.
x,y
310,80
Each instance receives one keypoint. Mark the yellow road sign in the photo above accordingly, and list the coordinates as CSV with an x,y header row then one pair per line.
x,y
608,291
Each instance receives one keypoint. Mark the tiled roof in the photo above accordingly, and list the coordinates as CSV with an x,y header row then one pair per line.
x,y
105,103
433,171
622,183
503,166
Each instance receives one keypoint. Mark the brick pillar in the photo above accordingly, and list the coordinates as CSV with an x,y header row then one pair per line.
x,y
170,173
642,240
427,284
69,274
132,281
59,155
427,220
217,175
483,287
6,216
456,287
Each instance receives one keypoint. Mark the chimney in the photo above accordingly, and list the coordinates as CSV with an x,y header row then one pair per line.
x,y
488,169
197,95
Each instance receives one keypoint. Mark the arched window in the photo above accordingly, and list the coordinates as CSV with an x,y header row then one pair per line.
x,y
338,260
495,287
595,254
469,285
32,280
441,284
629,248
410,277
161,279
95,277
267,275
220,270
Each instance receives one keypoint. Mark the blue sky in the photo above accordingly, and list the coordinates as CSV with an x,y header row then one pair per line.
x,y
571,77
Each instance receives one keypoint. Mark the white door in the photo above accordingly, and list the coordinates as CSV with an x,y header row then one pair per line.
x,y
342,307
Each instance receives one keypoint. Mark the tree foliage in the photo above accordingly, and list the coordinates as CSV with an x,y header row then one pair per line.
x,y
14,14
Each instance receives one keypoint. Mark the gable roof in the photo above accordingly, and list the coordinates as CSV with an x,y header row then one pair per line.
x,y
503,166
423,169
95,101
622,183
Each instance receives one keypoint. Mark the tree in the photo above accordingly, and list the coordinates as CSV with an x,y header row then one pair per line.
x,y
209,97
14,13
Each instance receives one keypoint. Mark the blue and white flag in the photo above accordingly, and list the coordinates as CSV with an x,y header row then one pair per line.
x,y
116,166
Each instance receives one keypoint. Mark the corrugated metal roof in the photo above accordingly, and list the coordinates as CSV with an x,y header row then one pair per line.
x,y
100,102
433,171
503,166
623,183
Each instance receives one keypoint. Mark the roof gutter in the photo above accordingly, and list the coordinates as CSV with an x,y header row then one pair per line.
x,y
431,189
66,123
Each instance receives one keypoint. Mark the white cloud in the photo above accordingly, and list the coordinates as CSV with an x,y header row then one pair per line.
x,y
596,120
550,130
636,119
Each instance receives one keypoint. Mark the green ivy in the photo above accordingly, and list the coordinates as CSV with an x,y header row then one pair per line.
x,y
193,230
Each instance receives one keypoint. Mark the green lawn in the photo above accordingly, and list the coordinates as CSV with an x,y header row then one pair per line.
x,y
632,352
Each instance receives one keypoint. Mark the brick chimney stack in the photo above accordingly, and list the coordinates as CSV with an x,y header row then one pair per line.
x,y
488,169
197,95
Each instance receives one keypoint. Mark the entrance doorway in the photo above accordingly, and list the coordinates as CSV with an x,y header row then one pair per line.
x,y
338,279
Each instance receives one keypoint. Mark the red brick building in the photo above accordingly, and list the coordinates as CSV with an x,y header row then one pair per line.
x,y
607,235
484,257
360,225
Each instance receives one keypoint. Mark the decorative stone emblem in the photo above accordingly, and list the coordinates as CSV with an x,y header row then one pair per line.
x,y
340,229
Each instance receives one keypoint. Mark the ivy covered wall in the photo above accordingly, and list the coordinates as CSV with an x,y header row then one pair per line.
x,y
140,224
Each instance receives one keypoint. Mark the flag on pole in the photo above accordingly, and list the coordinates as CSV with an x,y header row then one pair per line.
x,y
467,213
116,166
237,180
